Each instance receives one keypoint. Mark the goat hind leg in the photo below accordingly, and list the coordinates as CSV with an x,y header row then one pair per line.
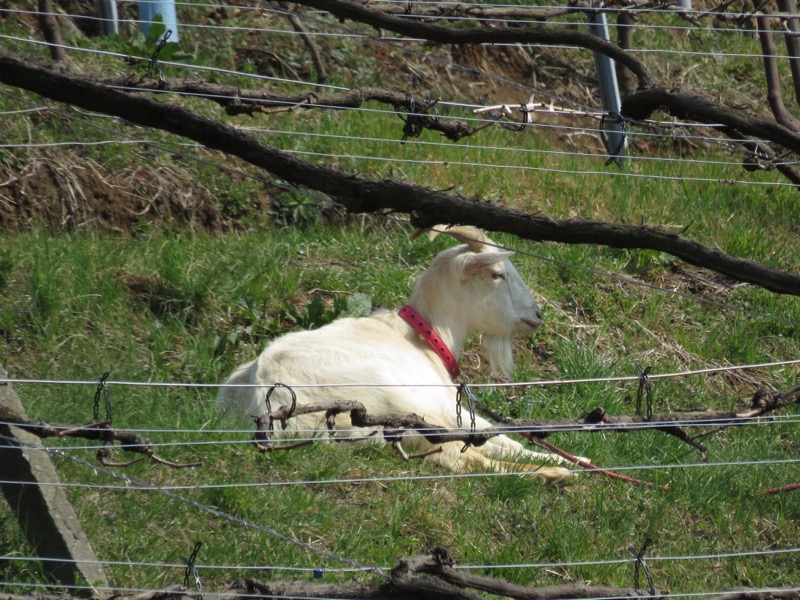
x,y
478,459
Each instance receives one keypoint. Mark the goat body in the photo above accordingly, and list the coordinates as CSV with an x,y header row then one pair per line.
x,y
385,364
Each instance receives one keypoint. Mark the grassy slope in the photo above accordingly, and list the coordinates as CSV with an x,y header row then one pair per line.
x,y
72,318
70,314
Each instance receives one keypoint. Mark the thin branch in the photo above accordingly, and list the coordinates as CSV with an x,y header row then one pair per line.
x,y
641,104
422,11
586,464
792,41
625,21
393,425
237,101
431,12
356,11
762,403
779,490
774,96
129,441
313,50
51,30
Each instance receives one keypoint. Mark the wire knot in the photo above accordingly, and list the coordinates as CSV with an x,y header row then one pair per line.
x,y
641,564
645,391
191,571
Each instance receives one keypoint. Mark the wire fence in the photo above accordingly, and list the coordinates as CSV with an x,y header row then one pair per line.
x,y
173,491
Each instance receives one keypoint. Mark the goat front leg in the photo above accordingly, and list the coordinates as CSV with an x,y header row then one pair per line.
x,y
503,447
475,459
482,459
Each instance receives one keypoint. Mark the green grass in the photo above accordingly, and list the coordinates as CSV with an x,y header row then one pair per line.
x,y
168,304
230,294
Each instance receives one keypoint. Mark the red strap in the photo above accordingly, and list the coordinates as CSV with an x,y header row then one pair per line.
x,y
418,322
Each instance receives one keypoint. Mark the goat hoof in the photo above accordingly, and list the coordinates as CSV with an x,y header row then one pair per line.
x,y
556,475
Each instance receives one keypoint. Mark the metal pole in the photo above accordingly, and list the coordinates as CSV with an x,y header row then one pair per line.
x,y
148,9
617,144
109,23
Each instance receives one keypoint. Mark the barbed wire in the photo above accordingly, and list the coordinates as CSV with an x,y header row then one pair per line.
x,y
483,165
321,434
771,552
624,174
449,476
511,149
79,143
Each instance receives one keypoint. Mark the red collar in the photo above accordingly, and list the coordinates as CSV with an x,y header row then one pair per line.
x,y
418,322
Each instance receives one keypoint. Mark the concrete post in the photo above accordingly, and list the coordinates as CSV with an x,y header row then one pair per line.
x,y
43,511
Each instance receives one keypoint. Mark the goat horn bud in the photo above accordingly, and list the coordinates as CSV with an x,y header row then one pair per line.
x,y
469,235
473,237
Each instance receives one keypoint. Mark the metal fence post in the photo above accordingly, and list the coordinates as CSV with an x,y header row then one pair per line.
x,y
148,9
609,91
109,22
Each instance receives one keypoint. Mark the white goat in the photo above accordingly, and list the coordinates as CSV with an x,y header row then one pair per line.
x,y
471,288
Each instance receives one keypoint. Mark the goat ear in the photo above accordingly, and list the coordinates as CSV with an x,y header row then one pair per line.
x,y
481,260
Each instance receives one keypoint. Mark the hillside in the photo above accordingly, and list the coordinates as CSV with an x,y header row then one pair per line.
x,y
139,253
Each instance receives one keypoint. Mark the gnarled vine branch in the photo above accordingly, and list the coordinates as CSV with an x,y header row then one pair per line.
x,y
358,194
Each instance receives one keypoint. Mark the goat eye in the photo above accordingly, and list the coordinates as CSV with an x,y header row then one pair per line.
x,y
498,276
